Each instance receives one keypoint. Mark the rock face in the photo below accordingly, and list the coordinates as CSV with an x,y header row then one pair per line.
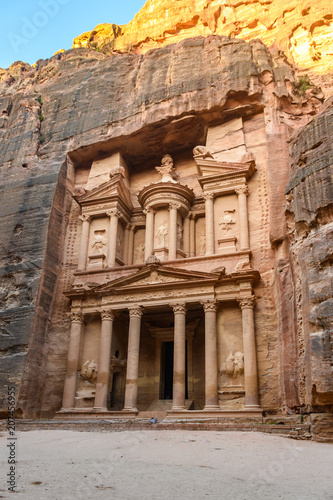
x,y
309,218
62,119
302,30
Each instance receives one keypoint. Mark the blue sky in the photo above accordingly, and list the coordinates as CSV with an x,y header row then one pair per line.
x,y
36,29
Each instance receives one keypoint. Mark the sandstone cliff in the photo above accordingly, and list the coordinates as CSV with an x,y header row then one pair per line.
x,y
301,29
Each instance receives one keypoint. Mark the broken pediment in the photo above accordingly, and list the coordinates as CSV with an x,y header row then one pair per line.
x,y
115,189
208,166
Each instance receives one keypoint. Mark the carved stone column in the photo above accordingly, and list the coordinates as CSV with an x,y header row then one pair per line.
x,y
173,207
243,217
113,232
102,383
211,380
149,240
250,353
209,217
192,234
83,252
130,244
186,235
72,360
131,391
179,361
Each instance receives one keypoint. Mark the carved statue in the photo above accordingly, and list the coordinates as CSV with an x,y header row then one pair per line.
x,y
161,235
166,169
235,364
119,242
179,235
202,151
99,241
202,244
227,221
140,253
89,371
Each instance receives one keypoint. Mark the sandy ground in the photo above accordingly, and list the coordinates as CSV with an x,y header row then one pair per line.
x,y
61,465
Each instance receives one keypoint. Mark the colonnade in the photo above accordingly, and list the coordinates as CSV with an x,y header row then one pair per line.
x,y
179,375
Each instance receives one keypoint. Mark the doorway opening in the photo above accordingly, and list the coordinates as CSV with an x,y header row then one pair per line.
x,y
117,395
166,377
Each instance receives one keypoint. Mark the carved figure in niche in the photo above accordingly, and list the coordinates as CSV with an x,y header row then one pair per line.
x,y
140,253
119,243
202,151
179,235
202,244
166,170
162,234
99,241
235,364
89,371
227,221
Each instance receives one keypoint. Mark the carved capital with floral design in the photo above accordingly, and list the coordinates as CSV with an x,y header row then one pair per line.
x,y
210,306
247,302
174,206
179,308
107,314
85,218
148,210
76,317
208,196
135,312
113,213
242,190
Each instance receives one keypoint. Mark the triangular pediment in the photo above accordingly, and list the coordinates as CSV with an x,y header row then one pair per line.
x,y
156,276
210,167
111,190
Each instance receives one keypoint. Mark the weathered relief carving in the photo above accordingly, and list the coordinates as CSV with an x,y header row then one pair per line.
x,y
235,364
99,241
243,264
89,371
162,235
139,254
202,151
119,244
167,170
227,221
179,236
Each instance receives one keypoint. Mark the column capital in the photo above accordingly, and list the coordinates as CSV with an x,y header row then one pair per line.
x,y
247,302
85,218
113,213
179,308
76,317
208,196
148,210
210,305
129,226
135,312
174,205
107,314
242,190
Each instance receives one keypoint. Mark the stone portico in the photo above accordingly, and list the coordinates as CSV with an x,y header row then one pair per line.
x,y
162,305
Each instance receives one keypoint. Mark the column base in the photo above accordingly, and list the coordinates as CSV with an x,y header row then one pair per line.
x,y
252,407
178,408
100,408
211,408
128,409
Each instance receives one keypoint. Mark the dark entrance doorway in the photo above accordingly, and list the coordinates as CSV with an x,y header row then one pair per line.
x,y
166,380
117,392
